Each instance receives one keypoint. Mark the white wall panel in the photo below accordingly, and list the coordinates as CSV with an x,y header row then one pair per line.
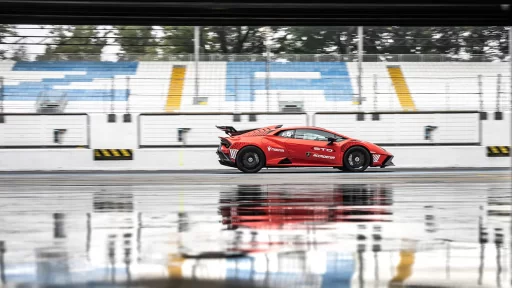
x,y
38,130
162,129
496,132
405,128
118,135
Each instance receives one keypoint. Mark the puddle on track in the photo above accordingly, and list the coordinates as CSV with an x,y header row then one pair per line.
x,y
322,235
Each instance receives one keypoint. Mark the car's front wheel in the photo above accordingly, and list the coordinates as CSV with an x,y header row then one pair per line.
x,y
356,159
250,159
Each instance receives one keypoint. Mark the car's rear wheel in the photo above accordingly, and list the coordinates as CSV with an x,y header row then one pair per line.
x,y
356,159
250,159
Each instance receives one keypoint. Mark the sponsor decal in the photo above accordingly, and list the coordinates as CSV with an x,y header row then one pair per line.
x,y
275,149
323,149
308,154
232,153
324,156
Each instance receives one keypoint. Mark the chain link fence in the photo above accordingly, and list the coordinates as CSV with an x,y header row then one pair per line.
x,y
240,94
251,83
273,57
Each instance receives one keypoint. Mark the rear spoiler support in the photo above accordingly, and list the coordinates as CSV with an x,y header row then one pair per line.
x,y
231,131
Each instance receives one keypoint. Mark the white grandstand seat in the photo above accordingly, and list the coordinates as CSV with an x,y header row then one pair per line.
x,y
433,86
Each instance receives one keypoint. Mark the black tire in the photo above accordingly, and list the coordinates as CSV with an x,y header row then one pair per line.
x,y
356,159
250,159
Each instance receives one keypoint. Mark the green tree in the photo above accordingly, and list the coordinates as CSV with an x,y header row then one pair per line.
x,y
20,54
497,42
82,42
214,39
234,39
136,40
490,41
5,31
178,39
314,40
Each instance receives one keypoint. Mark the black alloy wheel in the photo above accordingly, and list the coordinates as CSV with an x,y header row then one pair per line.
x,y
356,159
250,159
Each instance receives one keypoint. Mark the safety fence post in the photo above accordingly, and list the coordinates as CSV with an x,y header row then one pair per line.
x,y
236,94
2,120
252,92
498,91
480,93
375,92
128,94
112,95
111,118
447,95
127,117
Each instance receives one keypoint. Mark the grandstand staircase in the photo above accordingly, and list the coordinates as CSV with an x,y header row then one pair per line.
x,y
176,88
51,102
401,88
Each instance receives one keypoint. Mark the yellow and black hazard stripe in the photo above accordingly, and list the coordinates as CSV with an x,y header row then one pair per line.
x,y
113,154
498,151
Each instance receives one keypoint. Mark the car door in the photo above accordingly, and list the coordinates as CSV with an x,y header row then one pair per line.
x,y
311,147
275,148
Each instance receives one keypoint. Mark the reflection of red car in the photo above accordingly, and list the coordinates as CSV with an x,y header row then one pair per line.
x,y
251,207
274,146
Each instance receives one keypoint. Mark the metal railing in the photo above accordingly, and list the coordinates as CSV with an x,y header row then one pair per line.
x,y
275,57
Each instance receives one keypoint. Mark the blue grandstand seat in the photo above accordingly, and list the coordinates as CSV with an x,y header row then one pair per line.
x,y
334,79
29,90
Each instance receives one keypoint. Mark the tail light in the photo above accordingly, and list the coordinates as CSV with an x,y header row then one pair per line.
x,y
224,142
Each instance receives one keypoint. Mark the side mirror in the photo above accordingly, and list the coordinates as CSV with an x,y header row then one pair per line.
x,y
331,140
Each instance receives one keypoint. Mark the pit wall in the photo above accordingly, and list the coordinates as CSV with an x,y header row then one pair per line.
x,y
28,140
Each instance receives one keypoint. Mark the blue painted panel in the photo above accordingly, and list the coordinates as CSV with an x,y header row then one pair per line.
x,y
335,81
29,90
339,272
340,268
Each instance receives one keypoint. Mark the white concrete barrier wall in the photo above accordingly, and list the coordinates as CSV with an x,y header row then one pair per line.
x,y
121,135
206,158
161,130
496,132
116,135
19,130
405,128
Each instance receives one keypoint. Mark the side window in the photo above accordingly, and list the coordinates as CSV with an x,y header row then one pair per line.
x,y
309,134
287,133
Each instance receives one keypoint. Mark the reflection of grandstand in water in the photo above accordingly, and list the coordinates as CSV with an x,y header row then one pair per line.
x,y
294,269
114,238
275,207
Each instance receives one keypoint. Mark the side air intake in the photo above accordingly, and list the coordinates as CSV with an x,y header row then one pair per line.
x,y
285,161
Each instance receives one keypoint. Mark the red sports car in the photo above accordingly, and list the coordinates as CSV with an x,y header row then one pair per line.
x,y
275,146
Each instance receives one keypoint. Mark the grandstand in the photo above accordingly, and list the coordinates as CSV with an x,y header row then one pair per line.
x,y
164,86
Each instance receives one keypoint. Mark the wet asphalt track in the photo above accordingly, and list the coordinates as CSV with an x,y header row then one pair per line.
x,y
277,228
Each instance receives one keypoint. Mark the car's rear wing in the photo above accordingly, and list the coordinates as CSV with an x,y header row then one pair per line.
x,y
231,131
